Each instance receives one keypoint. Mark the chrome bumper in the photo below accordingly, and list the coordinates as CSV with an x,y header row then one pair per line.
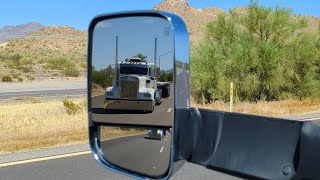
x,y
128,105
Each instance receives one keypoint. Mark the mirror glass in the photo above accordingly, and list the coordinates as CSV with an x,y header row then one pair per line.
x,y
132,86
142,150
132,71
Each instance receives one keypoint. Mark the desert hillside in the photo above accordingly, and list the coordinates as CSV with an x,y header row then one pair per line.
x,y
45,54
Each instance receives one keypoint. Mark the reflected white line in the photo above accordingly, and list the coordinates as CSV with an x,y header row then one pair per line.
x,y
161,149
169,110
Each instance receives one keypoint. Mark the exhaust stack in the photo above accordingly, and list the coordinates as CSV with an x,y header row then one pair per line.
x,y
116,62
155,51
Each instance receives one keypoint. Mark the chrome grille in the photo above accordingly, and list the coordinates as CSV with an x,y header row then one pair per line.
x,y
129,87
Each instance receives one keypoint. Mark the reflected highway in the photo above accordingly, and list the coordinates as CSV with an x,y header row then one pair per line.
x,y
162,114
136,153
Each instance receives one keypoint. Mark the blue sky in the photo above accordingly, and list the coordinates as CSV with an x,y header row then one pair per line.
x,y
78,13
132,40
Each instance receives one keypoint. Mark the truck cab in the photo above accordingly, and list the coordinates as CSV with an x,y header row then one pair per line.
x,y
134,87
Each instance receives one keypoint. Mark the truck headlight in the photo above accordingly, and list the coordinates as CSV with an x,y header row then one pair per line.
x,y
147,95
109,93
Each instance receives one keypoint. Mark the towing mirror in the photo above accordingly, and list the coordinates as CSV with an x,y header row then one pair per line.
x,y
132,111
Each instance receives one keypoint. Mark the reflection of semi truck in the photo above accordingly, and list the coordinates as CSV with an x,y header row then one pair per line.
x,y
135,87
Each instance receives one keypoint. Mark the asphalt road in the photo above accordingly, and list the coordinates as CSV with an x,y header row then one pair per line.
x,y
150,157
139,154
162,114
7,95
44,88
84,167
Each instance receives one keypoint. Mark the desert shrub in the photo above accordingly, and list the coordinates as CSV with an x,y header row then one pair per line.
x,y
71,71
58,63
264,52
71,107
16,57
15,76
6,79
26,61
166,77
83,65
18,62
20,79
98,77
30,78
103,77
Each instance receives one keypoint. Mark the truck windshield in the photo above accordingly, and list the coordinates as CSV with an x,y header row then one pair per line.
x,y
134,70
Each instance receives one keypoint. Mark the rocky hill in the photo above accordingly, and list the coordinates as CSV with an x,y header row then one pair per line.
x,y
51,41
194,18
11,32
45,54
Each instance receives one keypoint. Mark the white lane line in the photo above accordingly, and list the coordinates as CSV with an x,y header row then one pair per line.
x,y
44,158
169,110
161,149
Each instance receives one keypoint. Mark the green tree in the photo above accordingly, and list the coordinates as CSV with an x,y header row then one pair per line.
x,y
103,77
164,77
98,77
265,52
109,71
140,55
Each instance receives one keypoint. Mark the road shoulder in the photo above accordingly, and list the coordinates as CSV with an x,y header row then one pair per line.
x,y
41,153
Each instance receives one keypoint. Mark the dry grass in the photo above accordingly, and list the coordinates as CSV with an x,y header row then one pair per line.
x,y
272,109
39,125
34,125
112,132
97,90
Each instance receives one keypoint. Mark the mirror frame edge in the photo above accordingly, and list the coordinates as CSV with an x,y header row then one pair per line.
x,y
178,27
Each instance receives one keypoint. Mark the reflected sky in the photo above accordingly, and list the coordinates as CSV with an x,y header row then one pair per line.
x,y
136,35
